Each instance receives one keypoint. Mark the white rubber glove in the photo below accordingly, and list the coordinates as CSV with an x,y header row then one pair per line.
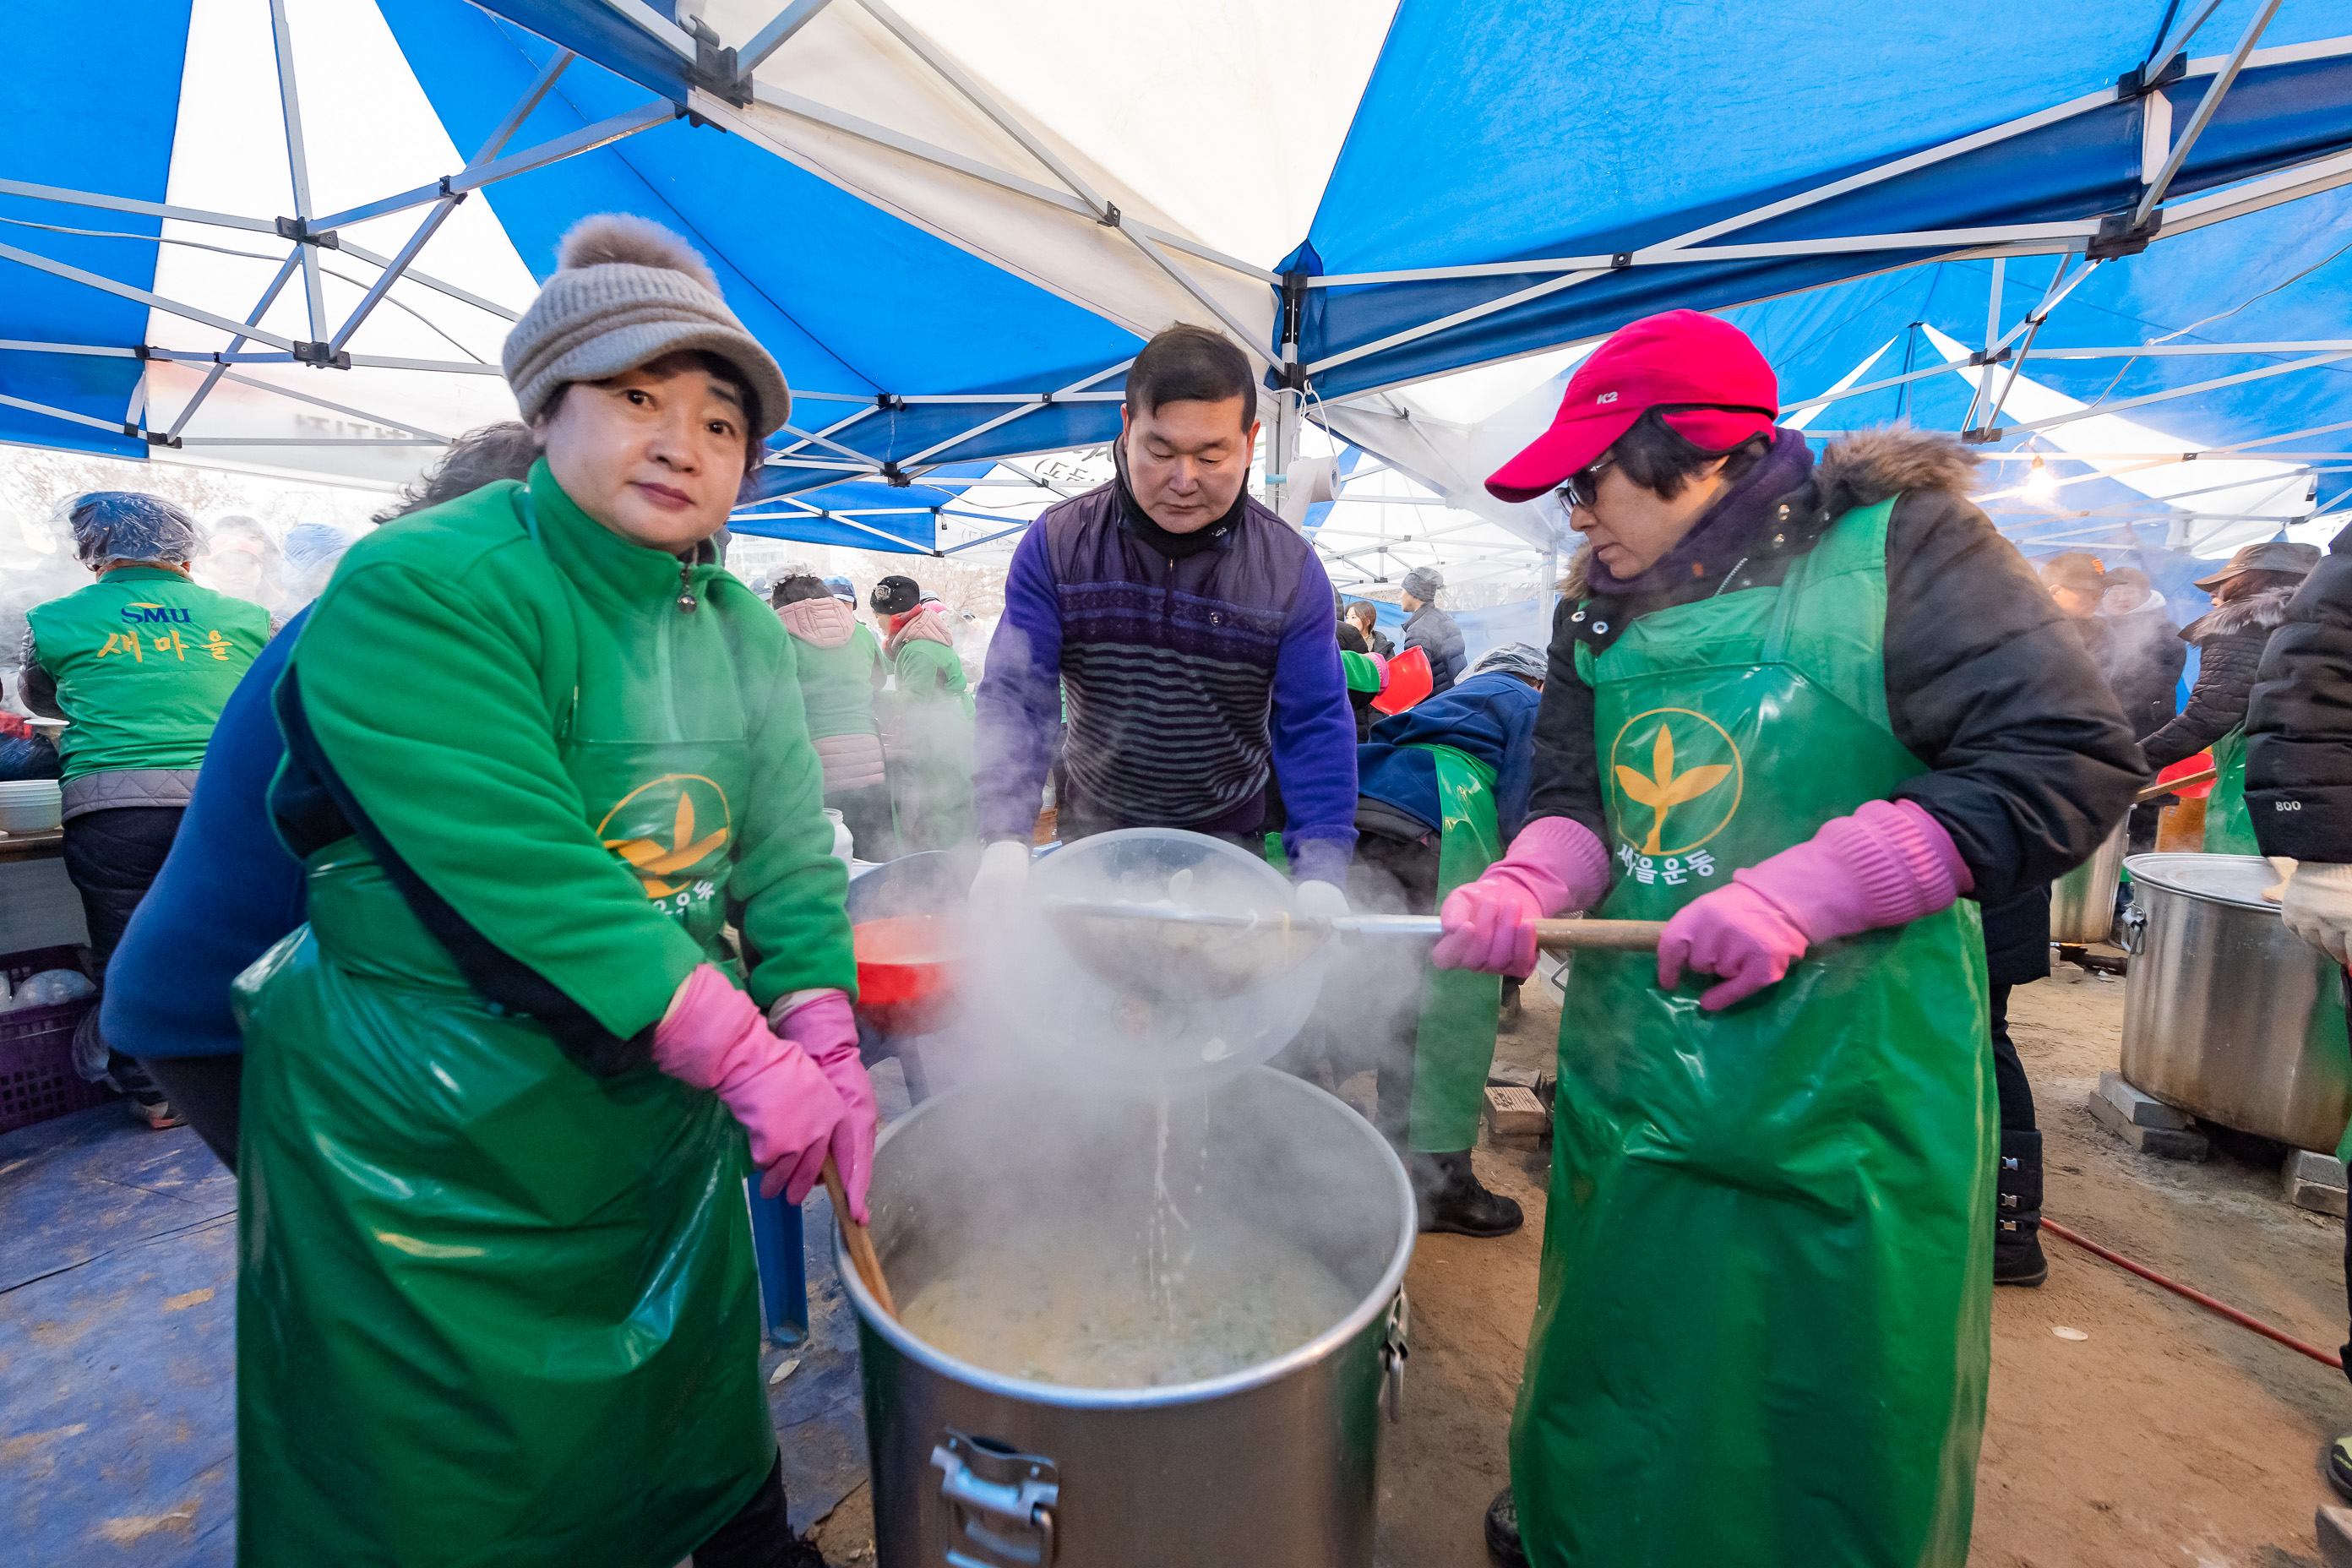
x,y
1319,899
997,885
2316,900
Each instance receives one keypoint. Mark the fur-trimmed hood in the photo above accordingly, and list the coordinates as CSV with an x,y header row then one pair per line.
x,y
1861,469
2264,612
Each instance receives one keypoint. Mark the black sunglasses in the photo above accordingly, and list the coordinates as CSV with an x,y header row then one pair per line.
x,y
1583,487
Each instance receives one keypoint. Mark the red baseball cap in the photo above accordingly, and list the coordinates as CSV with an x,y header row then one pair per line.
x,y
1678,358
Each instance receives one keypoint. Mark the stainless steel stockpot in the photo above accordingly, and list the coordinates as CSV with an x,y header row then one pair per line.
x,y
2227,1014
1274,1464
2083,901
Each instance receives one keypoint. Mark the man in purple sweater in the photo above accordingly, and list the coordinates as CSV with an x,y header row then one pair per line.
x,y
1192,631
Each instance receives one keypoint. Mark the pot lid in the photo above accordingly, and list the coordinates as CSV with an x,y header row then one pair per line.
x,y
2219,878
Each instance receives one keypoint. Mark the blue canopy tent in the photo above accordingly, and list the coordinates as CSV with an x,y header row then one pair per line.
x,y
954,225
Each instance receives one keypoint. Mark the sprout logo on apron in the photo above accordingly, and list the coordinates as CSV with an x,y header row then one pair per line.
x,y
1684,773
673,832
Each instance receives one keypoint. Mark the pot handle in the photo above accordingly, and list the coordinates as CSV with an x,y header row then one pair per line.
x,y
999,1502
2131,929
1394,1351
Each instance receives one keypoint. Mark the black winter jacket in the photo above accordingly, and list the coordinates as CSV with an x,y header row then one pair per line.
x,y
2299,724
2030,763
2143,663
2231,637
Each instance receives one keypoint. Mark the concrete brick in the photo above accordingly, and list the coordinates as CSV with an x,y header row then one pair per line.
x,y
2141,1109
1514,1115
2333,1526
2164,1142
2313,1181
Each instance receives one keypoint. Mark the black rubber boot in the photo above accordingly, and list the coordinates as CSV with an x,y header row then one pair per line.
x,y
2017,1215
1502,1543
1449,1198
1509,1016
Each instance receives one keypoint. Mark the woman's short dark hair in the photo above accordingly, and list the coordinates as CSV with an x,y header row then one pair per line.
x,y
1662,460
479,457
792,590
1191,364
2247,584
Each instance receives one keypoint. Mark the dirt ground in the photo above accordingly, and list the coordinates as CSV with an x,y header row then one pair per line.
x,y
2166,1437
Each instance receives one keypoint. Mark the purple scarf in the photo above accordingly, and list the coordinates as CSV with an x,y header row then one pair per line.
x,y
1725,533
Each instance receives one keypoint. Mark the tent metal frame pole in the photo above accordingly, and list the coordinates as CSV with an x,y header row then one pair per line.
x,y
524,107
2168,396
1104,211
144,297
977,431
850,125
2205,106
2244,449
297,165
66,196
308,441
220,368
398,266
474,177
754,52
111,427
227,375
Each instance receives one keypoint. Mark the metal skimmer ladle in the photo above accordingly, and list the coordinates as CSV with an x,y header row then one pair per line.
x,y
1168,949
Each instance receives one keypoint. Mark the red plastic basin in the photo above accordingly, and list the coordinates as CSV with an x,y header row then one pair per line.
x,y
906,966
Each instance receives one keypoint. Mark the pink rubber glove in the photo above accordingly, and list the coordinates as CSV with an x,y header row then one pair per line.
x,y
713,1037
1555,864
821,1024
1886,864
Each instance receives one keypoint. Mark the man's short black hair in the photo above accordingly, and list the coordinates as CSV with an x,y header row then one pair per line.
x,y
792,590
1662,460
1191,364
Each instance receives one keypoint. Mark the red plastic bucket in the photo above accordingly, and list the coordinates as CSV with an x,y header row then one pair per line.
x,y
906,971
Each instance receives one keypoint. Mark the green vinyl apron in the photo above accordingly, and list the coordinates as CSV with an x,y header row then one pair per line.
x,y
1453,1048
1762,1324
492,1308
2228,829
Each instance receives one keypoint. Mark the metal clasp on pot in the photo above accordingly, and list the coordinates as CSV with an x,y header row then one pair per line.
x,y
1000,1502
2131,931
1394,1351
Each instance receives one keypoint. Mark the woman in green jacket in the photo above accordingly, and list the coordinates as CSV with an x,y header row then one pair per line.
x,y
496,1299
842,669
928,720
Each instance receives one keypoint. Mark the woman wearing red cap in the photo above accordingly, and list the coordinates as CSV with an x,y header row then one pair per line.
x,y
1808,714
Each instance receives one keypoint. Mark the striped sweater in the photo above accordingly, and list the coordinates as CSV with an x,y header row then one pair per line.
x,y
1191,683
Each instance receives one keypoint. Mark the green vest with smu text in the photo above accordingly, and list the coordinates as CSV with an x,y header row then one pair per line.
x,y
144,661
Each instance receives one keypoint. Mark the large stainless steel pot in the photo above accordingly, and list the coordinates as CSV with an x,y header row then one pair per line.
x,y
1274,1464
2083,901
2227,1014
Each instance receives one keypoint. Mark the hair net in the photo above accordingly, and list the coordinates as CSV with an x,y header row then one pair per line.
x,y
310,545
1513,659
128,525
1423,581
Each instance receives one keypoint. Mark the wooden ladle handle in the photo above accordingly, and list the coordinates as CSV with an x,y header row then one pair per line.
x,y
859,1243
1628,936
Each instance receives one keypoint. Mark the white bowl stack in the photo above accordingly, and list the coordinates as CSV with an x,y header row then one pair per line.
x,y
30,806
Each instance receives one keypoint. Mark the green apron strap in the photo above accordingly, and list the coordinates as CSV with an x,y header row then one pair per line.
x,y
1454,1046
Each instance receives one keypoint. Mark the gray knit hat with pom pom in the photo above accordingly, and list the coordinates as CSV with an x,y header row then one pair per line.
x,y
628,291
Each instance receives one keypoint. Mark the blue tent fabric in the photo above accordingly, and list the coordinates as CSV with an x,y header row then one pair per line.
x,y
1440,168
2277,276
133,158
1486,132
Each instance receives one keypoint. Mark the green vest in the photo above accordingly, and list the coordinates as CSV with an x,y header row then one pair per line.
x,y
837,684
1762,1330
144,661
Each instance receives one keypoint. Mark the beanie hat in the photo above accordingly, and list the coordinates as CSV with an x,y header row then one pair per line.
x,y
896,596
626,292
1424,583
